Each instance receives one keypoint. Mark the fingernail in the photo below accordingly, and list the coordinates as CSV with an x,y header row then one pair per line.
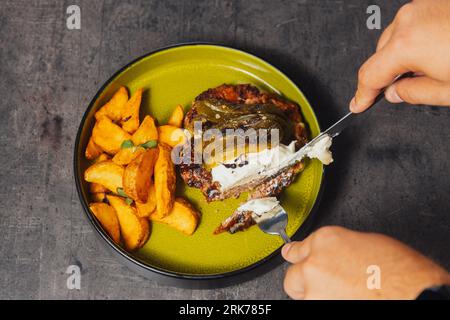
x,y
286,248
392,95
353,105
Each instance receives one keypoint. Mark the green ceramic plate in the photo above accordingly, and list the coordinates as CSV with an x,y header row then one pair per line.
x,y
176,76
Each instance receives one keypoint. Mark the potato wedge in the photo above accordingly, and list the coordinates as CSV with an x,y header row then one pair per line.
x,y
183,217
130,117
171,135
146,131
125,156
107,217
97,188
137,175
92,150
144,209
165,181
135,231
106,173
102,157
108,135
98,197
115,107
176,118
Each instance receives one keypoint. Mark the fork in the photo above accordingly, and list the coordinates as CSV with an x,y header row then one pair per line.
x,y
274,222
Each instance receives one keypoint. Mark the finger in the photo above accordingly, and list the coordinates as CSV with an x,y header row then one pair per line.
x,y
385,37
294,282
297,251
376,73
419,90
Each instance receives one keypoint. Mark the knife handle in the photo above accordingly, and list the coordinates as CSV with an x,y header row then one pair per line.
x,y
381,95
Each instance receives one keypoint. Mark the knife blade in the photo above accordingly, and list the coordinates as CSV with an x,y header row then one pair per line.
x,y
343,122
336,128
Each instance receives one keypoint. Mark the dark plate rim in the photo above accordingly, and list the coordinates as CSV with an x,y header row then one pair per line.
x,y
135,260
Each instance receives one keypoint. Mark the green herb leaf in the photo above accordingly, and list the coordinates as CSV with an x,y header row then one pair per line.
x,y
129,201
127,144
121,193
149,144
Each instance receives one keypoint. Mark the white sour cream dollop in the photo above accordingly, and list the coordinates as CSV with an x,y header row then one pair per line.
x,y
259,206
267,162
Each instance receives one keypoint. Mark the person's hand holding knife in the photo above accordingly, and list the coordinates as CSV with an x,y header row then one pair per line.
x,y
333,262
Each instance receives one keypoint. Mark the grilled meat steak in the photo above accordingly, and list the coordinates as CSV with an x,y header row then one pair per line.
x,y
238,221
243,106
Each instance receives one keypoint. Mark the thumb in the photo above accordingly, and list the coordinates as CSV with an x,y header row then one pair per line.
x,y
296,251
419,90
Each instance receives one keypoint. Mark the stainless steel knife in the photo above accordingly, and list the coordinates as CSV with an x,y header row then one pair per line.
x,y
341,124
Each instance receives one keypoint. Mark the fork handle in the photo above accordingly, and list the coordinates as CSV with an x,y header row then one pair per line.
x,y
284,236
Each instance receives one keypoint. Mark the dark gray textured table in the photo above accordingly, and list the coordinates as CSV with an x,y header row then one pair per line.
x,y
390,174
